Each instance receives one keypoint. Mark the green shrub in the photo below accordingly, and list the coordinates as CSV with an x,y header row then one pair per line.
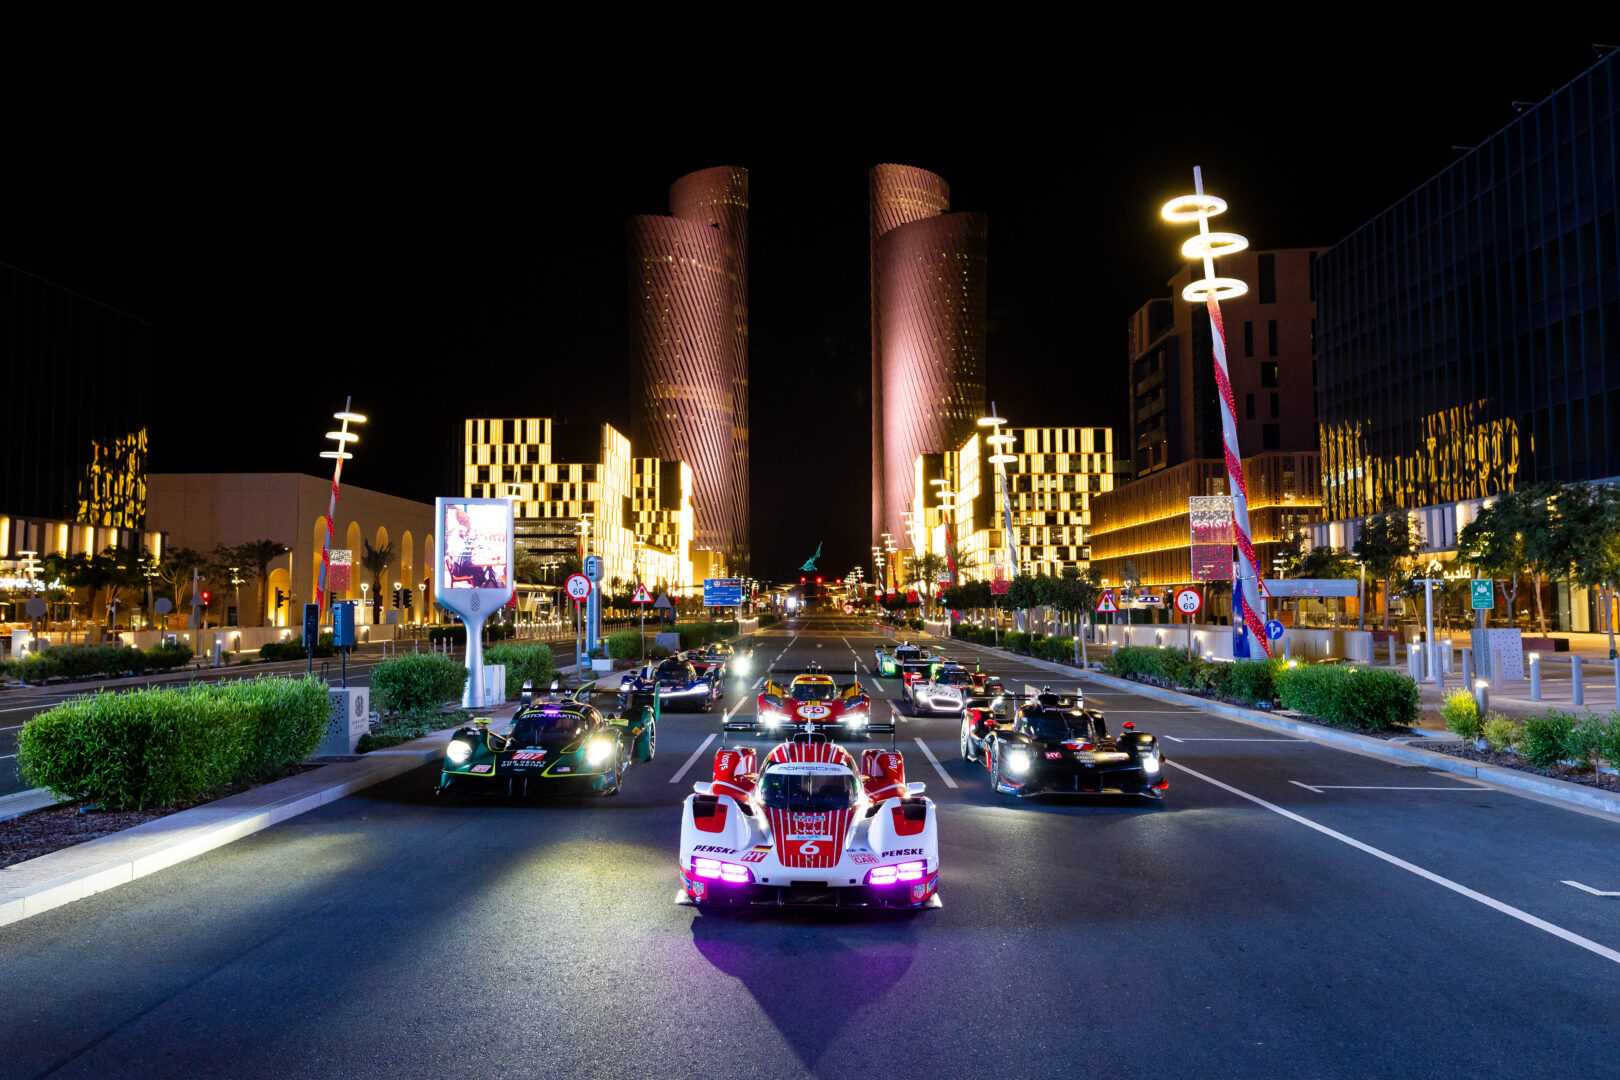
x,y
1251,681
1499,732
417,683
1610,746
1131,660
1461,714
1016,640
531,663
624,645
1587,741
768,618
91,661
1350,697
386,733
1544,740
158,747
695,634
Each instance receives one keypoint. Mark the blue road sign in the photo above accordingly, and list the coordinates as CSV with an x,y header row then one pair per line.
x,y
1274,629
722,592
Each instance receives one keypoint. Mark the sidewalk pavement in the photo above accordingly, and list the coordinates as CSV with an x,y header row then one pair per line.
x,y
38,885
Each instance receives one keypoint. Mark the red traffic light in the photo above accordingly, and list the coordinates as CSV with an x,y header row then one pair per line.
x,y
801,579
205,597
818,579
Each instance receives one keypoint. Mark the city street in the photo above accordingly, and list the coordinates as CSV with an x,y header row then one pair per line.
x,y
1290,910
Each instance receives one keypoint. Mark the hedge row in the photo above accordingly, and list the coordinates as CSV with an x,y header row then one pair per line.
x,y
87,661
272,651
158,747
524,663
417,683
1543,740
768,618
1338,695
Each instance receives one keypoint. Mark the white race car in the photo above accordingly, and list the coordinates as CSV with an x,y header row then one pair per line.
x,y
945,691
809,829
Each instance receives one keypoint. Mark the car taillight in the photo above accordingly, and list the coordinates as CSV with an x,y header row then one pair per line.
x,y
734,873
888,875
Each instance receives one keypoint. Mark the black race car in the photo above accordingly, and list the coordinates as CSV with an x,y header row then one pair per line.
x,y
1054,744
679,684
560,744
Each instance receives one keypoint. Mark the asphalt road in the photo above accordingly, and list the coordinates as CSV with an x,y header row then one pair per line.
x,y
1376,921
19,704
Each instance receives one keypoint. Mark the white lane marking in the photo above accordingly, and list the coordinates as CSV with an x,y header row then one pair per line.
x,y
1196,738
1324,788
7,757
757,683
1446,883
937,766
1172,738
691,761
1589,889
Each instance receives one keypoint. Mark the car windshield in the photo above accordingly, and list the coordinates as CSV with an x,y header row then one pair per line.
x,y
546,723
675,671
808,791
1059,725
953,678
814,692
903,655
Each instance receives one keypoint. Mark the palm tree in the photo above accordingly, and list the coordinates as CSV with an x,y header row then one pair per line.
x,y
255,557
176,573
925,568
376,561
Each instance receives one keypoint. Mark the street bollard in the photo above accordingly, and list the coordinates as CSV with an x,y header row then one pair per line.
x,y
1468,667
1482,696
1392,650
1288,648
1615,664
1447,654
1535,676
1576,688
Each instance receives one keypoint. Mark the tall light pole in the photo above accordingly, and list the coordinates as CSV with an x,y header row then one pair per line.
x,y
236,586
999,442
1211,290
343,438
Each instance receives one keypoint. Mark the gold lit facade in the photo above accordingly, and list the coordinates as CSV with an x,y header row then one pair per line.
x,y
1058,474
112,491
1147,523
612,501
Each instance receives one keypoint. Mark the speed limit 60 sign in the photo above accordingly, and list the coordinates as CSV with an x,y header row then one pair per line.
x,y
1188,601
577,586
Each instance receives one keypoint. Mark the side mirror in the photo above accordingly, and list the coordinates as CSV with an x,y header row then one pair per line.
x,y
916,787
704,787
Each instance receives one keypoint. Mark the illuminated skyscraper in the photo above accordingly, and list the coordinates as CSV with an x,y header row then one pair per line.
x,y
928,330
689,347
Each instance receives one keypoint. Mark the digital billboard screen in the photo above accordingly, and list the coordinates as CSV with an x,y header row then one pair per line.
x,y
475,545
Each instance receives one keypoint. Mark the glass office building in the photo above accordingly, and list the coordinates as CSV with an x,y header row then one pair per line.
x,y
1469,335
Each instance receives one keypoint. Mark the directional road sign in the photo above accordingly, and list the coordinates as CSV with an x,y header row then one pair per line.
x,y
722,592
1189,601
1483,590
642,596
1274,629
577,586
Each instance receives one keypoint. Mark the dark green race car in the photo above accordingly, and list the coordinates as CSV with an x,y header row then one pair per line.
x,y
560,745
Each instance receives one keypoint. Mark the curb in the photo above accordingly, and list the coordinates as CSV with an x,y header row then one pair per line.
x,y
19,803
1511,779
61,877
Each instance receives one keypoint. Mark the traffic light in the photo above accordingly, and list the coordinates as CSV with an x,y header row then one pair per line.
x,y
281,597
205,595
818,579
801,579
396,597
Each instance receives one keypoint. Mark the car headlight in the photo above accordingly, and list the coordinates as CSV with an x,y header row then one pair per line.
x,y
1018,761
1150,763
998,703
598,751
458,751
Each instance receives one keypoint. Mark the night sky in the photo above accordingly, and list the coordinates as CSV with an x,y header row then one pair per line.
x,y
441,249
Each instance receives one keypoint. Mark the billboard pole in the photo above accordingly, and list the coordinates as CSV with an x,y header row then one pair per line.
x,y
1211,290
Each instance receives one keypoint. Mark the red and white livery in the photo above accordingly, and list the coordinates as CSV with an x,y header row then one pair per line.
x,y
809,827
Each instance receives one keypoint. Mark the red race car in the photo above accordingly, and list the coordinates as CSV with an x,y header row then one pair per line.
x,y
813,696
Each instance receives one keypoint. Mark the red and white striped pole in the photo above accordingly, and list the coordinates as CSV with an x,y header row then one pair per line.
x,y
341,454
1211,290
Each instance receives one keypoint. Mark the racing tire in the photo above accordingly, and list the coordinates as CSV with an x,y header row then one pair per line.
x,y
995,773
647,743
967,742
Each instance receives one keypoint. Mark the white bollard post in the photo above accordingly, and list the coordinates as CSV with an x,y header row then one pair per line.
x,y
1482,696
1468,667
1535,676
1577,688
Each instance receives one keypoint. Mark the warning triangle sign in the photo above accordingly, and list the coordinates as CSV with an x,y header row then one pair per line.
x,y
642,596
1260,587
1107,601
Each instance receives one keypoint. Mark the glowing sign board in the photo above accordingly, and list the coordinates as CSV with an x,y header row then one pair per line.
x,y
1210,518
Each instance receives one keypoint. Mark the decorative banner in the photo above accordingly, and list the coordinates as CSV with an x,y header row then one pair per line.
x,y
342,564
1210,520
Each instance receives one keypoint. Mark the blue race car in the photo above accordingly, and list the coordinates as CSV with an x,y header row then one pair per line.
x,y
678,683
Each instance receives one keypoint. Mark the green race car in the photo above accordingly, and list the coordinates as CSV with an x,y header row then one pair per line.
x,y
558,745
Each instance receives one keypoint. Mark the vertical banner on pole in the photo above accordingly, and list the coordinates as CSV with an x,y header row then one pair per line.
x,y
474,539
